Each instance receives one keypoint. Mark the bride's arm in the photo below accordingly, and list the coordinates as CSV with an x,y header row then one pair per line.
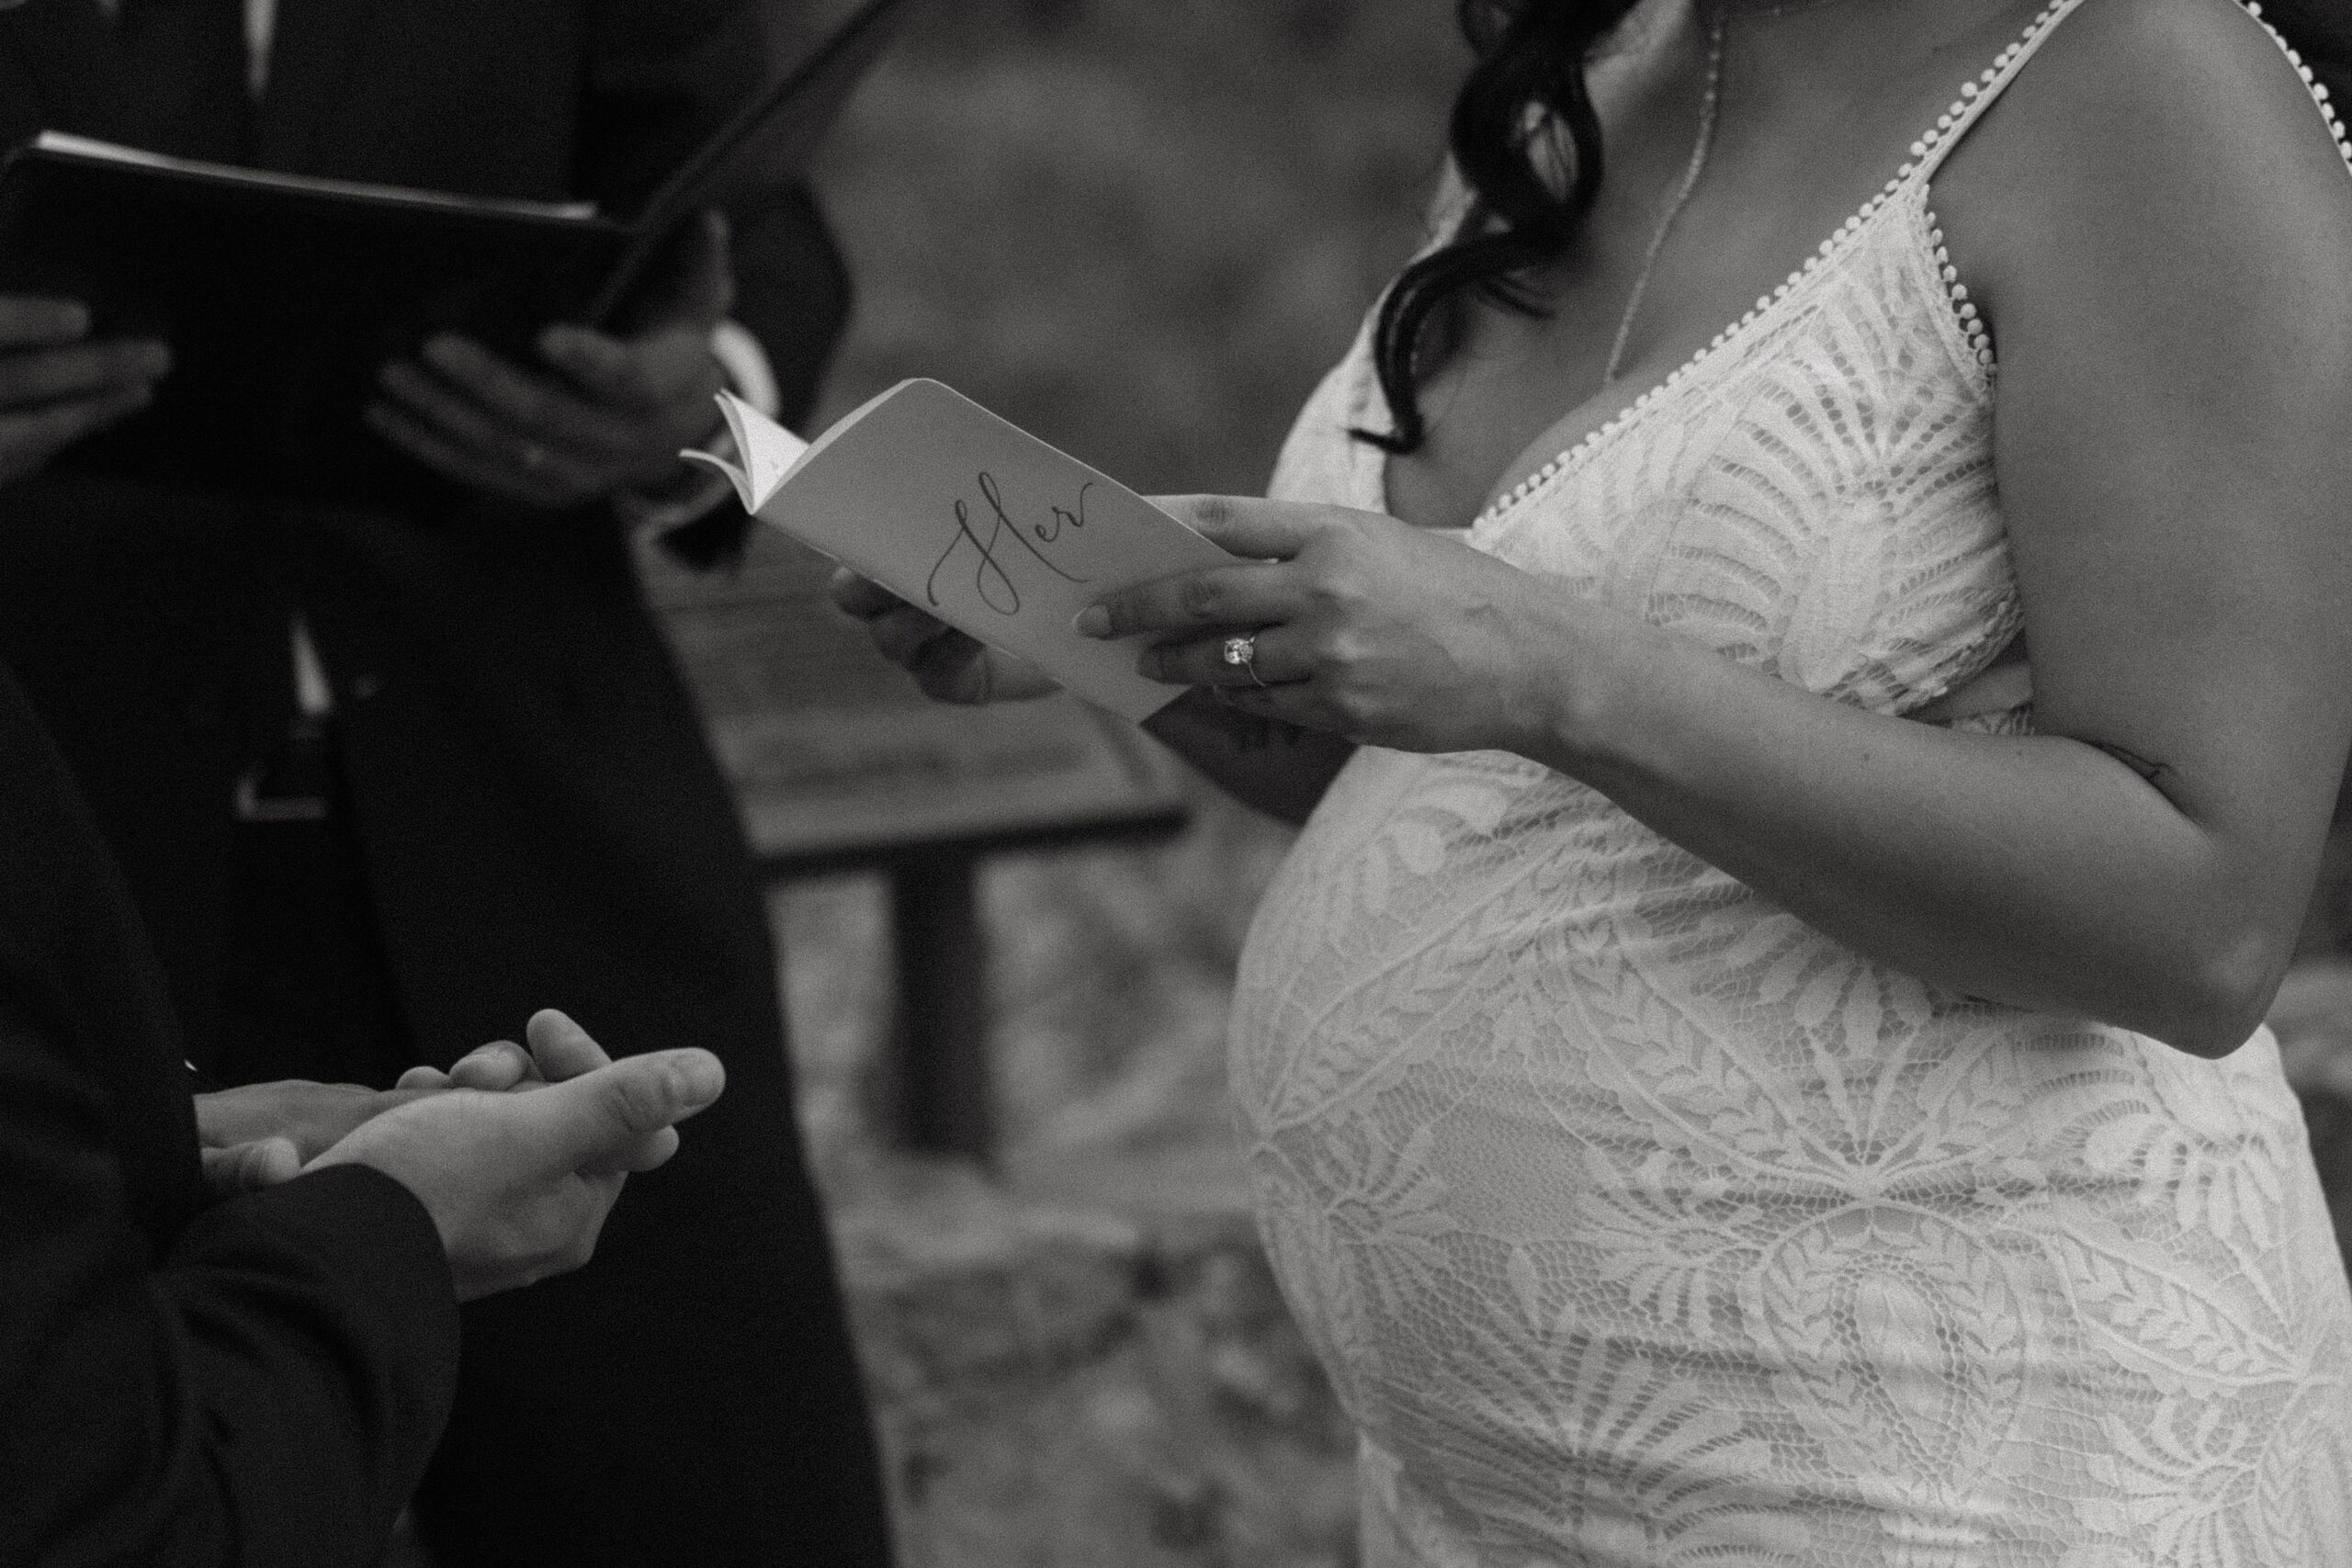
x,y
2175,457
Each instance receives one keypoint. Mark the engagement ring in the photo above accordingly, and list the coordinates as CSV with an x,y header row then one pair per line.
x,y
1239,651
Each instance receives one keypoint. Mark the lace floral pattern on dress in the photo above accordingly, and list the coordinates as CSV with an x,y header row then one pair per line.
x,y
1638,1223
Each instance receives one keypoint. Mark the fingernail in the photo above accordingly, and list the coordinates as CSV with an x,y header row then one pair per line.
x,y
1093,621
151,359
575,342
447,353
700,1079
578,348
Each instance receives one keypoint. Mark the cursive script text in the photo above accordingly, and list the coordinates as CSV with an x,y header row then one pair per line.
x,y
990,580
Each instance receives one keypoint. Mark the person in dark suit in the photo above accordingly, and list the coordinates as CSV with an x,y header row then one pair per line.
x,y
384,775
256,1380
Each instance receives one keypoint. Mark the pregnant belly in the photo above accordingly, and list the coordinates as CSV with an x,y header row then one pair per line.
x,y
1481,923
1577,1160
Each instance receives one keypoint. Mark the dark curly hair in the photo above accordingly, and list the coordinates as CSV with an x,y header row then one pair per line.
x,y
1529,68
1531,56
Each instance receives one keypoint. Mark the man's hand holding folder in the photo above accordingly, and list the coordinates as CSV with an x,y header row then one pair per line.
x,y
58,385
282,295
602,411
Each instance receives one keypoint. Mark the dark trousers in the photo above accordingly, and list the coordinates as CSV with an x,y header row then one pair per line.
x,y
306,990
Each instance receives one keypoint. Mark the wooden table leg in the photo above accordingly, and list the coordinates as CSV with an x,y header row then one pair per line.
x,y
939,1069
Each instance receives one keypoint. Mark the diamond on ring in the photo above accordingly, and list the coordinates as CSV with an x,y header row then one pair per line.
x,y
1241,653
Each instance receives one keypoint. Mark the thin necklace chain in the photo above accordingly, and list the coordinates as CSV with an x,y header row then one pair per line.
x,y
1766,13
1709,100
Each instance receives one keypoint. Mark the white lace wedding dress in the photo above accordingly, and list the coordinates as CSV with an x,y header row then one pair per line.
x,y
1636,1222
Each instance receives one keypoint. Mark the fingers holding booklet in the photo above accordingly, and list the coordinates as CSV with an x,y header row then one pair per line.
x,y
975,526
960,542
993,568
949,665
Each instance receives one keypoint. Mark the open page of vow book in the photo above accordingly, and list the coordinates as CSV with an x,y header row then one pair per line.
x,y
973,519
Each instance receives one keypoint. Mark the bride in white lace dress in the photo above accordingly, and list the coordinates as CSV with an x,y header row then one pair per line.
x,y
1746,1063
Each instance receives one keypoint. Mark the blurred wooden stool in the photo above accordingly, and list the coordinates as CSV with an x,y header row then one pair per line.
x,y
839,763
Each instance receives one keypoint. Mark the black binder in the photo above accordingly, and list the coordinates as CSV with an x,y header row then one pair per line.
x,y
281,295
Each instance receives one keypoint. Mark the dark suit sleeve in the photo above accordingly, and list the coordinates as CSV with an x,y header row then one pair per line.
x,y
662,74
267,1393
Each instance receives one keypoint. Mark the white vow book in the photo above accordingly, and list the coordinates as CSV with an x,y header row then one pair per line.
x,y
974,520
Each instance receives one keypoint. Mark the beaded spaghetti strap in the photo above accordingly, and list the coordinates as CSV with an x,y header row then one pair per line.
x,y
1929,152
2317,89
1977,95
1935,144
1926,154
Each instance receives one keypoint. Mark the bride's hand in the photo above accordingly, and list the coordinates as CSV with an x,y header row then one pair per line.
x,y
949,665
1364,626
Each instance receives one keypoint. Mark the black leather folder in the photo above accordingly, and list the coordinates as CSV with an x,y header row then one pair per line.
x,y
281,295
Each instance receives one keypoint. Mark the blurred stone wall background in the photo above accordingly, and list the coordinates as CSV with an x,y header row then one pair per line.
x,y
1141,228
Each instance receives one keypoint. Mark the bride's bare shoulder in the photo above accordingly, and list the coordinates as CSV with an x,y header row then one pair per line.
x,y
2158,145
2182,93
2202,61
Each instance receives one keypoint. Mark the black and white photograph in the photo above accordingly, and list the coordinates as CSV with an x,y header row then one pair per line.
x,y
1175,784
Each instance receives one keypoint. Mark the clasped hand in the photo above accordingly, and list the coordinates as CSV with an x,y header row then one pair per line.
x,y
1361,625
606,412
516,1153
